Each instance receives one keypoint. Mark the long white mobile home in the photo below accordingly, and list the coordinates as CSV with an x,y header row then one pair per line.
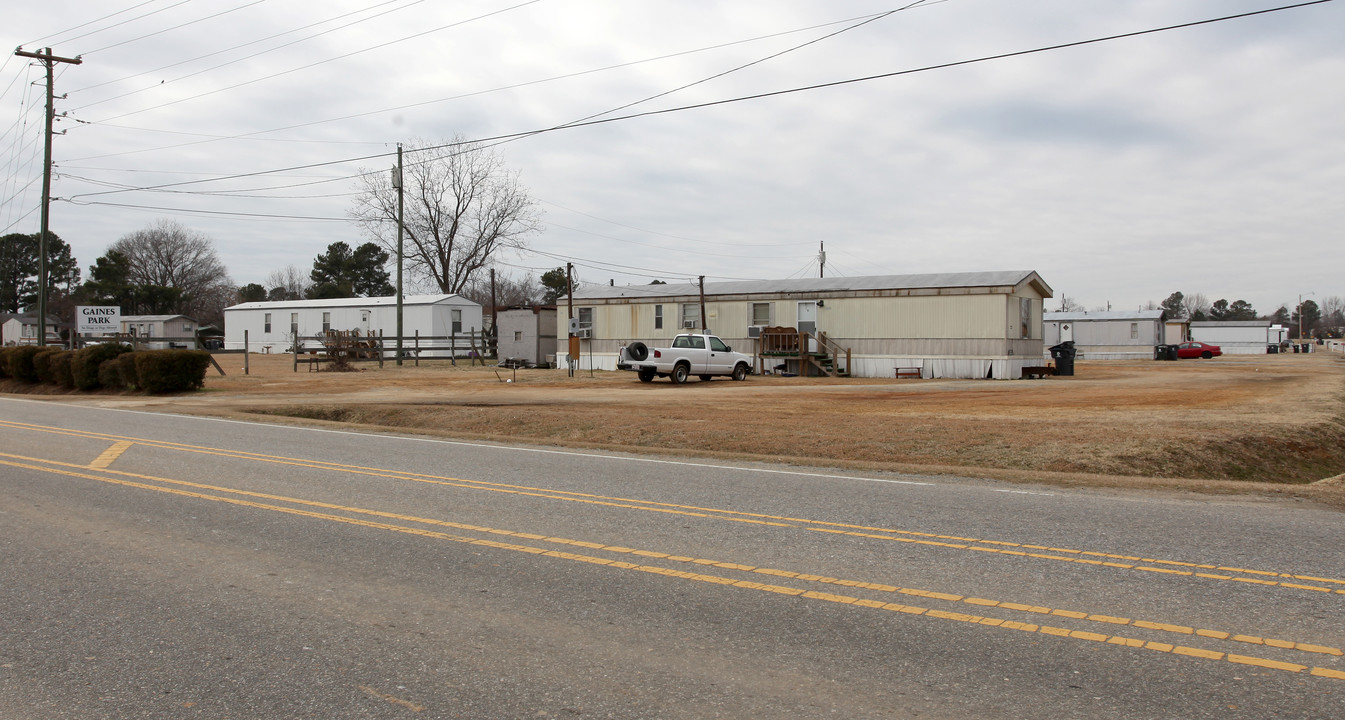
x,y
1236,337
1107,335
955,325
273,326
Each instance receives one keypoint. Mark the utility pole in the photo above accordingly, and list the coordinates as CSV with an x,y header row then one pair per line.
x,y
494,316
47,59
1300,314
821,259
397,183
704,325
573,341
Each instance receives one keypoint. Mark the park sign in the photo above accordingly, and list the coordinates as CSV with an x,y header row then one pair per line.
x,y
98,319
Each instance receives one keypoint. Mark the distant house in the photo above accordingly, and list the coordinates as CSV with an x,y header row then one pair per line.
x,y
951,325
1107,335
527,333
1237,337
274,326
21,329
174,331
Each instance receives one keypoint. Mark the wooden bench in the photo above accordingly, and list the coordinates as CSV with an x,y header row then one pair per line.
x,y
910,372
1038,371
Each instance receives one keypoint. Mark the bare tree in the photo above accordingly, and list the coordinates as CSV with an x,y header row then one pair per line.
x,y
1195,303
508,291
1333,311
1068,304
169,255
462,207
288,283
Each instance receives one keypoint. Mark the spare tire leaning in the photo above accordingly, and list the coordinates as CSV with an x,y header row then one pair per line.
x,y
637,351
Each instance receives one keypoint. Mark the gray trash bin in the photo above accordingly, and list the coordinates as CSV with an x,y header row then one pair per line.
x,y
1063,354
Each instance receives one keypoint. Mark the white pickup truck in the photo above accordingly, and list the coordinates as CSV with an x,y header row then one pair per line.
x,y
704,356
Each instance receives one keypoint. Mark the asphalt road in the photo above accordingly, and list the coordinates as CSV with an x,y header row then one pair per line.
x,y
157,566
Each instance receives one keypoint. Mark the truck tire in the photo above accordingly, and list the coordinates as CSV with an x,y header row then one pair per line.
x,y
637,351
680,372
706,378
646,376
740,372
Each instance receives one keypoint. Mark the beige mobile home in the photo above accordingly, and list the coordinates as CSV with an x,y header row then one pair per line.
x,y
953,325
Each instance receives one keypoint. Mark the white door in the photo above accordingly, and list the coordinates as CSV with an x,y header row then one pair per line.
x,y
807,319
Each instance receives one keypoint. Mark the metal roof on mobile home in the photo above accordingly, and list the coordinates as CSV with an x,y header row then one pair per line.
x,y
931,281
349,302
1099,315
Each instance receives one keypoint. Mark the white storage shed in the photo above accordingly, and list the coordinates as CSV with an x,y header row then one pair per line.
x,y
272,326
527,333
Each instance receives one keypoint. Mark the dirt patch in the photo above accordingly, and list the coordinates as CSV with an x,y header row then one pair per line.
x,y
1250,423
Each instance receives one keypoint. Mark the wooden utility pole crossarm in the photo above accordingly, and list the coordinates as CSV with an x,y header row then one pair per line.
x,y
47,59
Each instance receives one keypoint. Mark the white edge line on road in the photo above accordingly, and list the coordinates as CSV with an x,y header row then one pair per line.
x,y
570,453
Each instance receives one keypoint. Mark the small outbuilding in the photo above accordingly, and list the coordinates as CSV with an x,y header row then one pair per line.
x,y
527,334
1109,334
948,325
1236,337
434,323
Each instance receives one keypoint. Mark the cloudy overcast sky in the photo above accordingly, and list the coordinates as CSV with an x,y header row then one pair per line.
x,y
1207,159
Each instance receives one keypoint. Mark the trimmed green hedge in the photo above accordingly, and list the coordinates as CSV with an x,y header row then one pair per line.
x,y
60,368
165,371
113,367
21,362
87,364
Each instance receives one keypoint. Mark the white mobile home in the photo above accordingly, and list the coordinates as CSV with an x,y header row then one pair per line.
x,y
173,331
955,325
273,326
1107,335
21,329
1235,337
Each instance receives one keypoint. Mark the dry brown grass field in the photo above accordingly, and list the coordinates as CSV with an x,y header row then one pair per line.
x,y
1246,424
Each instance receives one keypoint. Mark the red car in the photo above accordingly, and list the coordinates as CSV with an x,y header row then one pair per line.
x,y
1198,350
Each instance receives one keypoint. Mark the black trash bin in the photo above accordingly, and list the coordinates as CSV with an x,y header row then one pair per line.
x,y
1063,354
1172,352
1160,352
1272,349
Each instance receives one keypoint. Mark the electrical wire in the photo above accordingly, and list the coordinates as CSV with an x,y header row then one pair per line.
x,y
175,27
793,90
243,45
457,97
109,27
328,60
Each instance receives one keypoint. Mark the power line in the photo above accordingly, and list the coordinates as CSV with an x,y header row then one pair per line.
x,y
175,27
744,98
223,213
243,45
90,22
323,62
66,41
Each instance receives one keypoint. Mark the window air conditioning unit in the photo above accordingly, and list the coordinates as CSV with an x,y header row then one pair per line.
x,y
754,331
688,324
584,333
